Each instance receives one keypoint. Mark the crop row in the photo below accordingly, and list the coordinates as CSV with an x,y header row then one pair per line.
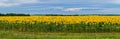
x,y
73,24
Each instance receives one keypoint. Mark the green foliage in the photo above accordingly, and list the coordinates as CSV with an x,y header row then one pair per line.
x,y
52,27
13,14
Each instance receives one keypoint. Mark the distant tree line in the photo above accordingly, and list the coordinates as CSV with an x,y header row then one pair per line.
x,y
59,15
14,14
53,15
76,15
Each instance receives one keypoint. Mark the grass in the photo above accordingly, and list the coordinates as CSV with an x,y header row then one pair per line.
x,y
28,35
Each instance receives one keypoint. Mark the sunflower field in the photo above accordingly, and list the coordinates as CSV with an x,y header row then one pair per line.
x,y
73,24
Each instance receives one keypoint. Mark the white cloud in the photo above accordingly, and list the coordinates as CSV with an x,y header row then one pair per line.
x,y
82,1
111,10
80,9
105,1
115,1
72,9
58,7
8,3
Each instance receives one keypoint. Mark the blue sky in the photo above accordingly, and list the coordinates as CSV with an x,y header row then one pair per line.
x,y
60,6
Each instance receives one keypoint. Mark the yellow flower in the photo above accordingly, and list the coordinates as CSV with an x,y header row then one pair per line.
x,y
61,19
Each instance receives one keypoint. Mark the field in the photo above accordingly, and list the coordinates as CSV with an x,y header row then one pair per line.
x,y
27,35
86,27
